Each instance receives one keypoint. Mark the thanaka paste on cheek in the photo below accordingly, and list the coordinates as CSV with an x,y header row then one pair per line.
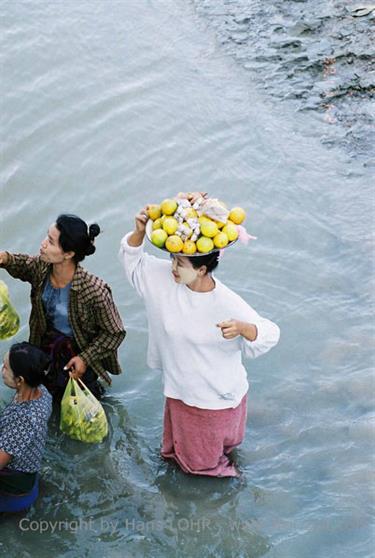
x,y
187,275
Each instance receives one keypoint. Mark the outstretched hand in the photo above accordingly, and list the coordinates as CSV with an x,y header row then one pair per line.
x,y
3,258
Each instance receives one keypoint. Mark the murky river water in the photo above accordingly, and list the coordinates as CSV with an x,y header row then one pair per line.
x,y
109,105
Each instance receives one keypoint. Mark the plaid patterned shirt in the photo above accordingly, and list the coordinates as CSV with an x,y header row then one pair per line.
x,y
93,316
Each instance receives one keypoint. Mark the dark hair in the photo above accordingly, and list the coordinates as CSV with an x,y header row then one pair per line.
x,y
28,361
74,236
211,261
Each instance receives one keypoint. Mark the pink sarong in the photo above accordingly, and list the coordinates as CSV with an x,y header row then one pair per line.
x,y
199,440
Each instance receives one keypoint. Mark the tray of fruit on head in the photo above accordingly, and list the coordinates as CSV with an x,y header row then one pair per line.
x,y
178,225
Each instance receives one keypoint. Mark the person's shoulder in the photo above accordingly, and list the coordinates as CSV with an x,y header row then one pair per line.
x,y
9,413
45,397
91,280
159,263
228,293
159,269
223,289
89,284
154,264
40,408
24,413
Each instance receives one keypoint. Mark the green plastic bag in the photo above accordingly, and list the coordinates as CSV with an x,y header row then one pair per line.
x,y
9,319
82,416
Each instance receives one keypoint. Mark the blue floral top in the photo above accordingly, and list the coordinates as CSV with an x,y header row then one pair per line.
x,y
23,431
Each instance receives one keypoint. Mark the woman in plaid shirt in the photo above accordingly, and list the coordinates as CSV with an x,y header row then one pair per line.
x,y
73,316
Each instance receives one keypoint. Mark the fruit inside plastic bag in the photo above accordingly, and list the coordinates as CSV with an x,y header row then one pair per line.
x,y
9,319
82,416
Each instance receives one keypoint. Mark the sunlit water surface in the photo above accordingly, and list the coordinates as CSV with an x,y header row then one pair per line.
x,y
107,106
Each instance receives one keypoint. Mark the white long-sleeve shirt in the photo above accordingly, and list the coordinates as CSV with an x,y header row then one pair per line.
x,y
200,367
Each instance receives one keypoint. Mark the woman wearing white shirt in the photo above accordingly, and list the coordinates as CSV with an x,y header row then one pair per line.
x,y
198,331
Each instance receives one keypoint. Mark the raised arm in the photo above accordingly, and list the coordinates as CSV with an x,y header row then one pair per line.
x,y
20,266
137,264
138,235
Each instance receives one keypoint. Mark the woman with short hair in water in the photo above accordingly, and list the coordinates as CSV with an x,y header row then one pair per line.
x,y
198,331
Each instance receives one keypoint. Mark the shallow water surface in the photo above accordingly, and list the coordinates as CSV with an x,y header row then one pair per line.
x,y
108,106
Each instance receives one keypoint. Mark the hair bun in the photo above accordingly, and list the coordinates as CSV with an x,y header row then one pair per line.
x,y
94,230
90,249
